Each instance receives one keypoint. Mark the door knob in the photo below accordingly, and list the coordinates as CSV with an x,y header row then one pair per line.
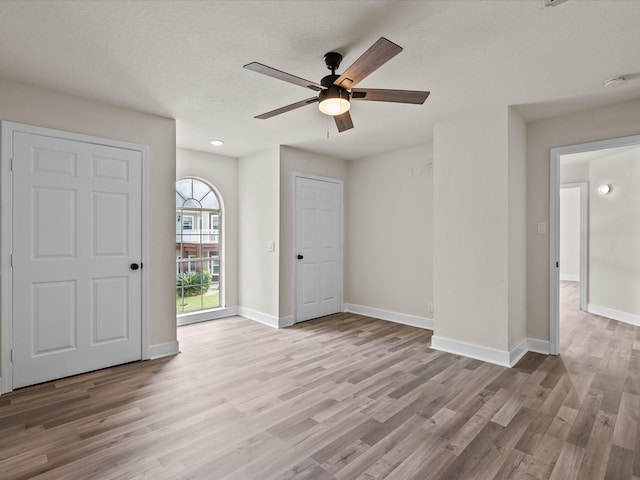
x,y
300,257
134,266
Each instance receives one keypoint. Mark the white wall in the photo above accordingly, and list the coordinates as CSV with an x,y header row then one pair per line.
x,y
471,229
479,235
612,121
295,160
570,234
46,108
574,173
390,231
259,223
222,173
517,201
614,233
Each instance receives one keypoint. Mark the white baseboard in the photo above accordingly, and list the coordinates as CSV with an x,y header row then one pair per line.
x,y
619,315
287,321
519,351
260,317
538,346
479,352
569,278
504,358
397,317
163,349
195,317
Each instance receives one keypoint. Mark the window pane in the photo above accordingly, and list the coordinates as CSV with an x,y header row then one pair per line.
x,y
187,222
184,188
200,189
191,203
197,246
210,201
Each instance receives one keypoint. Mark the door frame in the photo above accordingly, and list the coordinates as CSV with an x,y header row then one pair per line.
x,y
340,183
584,239
554,224
6,242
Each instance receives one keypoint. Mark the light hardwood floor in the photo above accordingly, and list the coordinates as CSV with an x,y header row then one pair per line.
x,y
343,397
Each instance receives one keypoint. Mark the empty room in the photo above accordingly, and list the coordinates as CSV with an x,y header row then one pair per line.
x,y
319,239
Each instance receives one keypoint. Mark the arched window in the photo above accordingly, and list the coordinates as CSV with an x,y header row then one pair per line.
x,y
198,253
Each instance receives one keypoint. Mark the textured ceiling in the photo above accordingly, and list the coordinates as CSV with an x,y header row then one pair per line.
x,y
183,59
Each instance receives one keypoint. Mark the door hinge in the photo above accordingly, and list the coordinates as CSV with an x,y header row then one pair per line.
x,y
557,264
12,164
12,259
12,356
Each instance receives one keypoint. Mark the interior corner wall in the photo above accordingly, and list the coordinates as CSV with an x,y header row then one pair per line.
x,y
517,206
614,236
611,121
222,173
295,160
46,108
390,235
258,227
471,230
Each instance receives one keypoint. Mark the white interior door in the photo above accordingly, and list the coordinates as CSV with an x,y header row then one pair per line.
x,y
77,236
318,240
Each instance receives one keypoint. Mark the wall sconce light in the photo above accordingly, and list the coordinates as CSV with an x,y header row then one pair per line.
x,y
604,189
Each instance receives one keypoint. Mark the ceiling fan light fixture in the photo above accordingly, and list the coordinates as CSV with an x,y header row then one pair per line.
x,y
334,101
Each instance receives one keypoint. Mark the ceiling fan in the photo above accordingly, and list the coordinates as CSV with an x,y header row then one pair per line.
x,y
335,92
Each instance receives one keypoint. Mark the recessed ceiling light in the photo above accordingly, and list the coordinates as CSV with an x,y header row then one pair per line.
x,y
615,81
216,143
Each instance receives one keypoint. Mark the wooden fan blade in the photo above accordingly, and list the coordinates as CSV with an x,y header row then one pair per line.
x,y
383,95
293,106
343,122
378,54
280,75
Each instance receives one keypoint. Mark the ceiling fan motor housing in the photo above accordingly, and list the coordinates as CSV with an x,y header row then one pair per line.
x,y
328,80
332,60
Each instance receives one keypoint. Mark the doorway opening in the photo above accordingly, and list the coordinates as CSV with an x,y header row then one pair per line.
x,y
603,172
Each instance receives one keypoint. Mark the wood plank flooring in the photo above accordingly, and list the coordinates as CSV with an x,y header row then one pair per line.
x,y
343,397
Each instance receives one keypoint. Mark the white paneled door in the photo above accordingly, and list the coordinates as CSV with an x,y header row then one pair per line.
x,y
77,248
318,240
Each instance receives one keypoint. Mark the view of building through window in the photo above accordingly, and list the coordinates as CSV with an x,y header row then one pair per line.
x,y
198,230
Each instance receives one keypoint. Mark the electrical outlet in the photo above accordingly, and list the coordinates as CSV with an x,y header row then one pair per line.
x,y
542,227
430,308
